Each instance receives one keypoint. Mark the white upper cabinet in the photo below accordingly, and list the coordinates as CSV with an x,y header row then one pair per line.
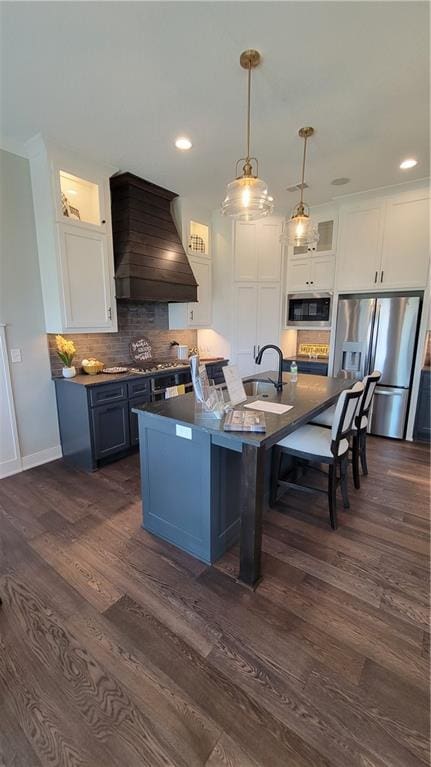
x,y
326,220
87,302
257,250
245,251
71,200
310,274
384,244
196,314
406,242
359,245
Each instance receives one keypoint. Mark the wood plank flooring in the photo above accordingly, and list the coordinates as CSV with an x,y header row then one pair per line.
x,y
118,650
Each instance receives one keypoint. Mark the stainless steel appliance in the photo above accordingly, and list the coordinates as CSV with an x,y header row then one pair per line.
x,y
309,309
380,333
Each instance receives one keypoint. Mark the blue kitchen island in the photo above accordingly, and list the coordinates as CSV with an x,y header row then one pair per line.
x,y
203,488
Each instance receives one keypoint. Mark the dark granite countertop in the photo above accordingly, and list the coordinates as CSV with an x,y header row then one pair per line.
x,y
83,379
309,396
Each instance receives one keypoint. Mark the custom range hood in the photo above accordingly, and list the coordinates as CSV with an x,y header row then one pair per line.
x,y
150,261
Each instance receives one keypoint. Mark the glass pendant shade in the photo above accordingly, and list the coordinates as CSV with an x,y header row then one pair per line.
x,y
300,231
247,199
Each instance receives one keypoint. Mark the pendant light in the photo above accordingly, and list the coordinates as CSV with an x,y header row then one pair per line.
x,y
300,231
247,197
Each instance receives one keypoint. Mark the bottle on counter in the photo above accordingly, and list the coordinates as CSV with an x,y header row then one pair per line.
x,y
293,372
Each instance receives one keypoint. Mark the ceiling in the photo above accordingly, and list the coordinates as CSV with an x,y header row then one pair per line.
x,y
118,81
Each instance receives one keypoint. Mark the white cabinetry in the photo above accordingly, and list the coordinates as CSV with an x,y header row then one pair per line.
x,y
406,242
257,251
312,268
257,262
326,220
257,322
384,243
71,200
310,273
196,314
359,245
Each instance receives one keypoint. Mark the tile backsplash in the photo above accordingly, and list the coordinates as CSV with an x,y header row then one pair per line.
x,y
312,337
149,319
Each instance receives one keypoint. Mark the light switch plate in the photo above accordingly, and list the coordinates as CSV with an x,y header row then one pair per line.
x,y
15,355
183,431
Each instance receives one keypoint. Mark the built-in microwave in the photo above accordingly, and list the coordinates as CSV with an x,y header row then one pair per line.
x,y
309,309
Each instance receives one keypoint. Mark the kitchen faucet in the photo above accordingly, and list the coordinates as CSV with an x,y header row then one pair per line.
x,y
279,384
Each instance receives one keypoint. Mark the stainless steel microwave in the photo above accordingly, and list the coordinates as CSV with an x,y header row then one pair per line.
x,y
309,310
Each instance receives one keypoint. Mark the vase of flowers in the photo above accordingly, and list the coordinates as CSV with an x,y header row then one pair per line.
x,y
66,350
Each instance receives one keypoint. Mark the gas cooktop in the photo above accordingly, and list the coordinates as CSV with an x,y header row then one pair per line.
x,y
150,366
154,367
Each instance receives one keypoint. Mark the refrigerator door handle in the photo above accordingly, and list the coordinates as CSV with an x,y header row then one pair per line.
x,y
386,393
374,341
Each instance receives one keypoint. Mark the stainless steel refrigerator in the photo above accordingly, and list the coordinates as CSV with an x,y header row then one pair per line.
x,y
380,333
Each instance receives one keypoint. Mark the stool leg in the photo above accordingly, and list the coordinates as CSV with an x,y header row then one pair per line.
x,y
275,474
355,461
363,452
344,487
332,494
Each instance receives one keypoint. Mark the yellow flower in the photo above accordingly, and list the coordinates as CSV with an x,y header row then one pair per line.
x,y
65,349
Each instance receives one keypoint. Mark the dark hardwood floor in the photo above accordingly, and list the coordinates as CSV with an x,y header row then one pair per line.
x,y
117,649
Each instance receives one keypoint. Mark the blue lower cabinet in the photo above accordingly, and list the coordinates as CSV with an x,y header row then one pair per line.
x,y
206,521
422,428
111,431
306,366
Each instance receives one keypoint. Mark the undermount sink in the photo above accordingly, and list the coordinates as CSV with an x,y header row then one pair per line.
x,y
264,388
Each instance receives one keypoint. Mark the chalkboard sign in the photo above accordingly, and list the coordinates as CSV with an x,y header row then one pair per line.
x,y
140,350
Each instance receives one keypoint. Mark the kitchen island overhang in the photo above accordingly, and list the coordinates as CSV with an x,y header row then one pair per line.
x,y
202,487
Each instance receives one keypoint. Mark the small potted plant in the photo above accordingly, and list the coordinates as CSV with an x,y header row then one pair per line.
x,y
66,351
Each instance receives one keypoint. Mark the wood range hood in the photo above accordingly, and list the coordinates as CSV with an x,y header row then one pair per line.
x,y
150,261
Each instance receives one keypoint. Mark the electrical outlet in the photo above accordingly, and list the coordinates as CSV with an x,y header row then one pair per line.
x,y
15,355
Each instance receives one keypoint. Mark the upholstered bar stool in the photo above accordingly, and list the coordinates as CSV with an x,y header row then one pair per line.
x,y
318,445
360,424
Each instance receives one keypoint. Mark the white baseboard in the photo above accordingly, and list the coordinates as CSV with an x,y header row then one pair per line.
x,y
42,456
10,467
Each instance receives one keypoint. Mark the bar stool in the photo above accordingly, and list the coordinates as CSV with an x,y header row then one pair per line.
x,y
360,425
316,444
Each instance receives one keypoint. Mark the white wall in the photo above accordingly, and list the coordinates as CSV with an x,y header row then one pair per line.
x,y
21,310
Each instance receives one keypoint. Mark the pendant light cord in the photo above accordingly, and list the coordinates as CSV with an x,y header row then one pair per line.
x,y
248,111
303,171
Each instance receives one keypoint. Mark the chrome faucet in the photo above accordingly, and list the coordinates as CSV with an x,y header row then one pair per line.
x,y
279,384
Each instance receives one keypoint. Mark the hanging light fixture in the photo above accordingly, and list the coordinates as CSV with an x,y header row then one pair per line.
x,y
300,231
247,197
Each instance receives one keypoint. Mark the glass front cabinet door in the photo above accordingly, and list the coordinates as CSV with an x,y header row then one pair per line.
x,y
71,199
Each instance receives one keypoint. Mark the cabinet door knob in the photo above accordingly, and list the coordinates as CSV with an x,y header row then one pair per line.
x,y
306,282
312,282
103,221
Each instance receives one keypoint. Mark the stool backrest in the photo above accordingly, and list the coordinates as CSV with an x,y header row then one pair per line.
x,y
370,382
345,411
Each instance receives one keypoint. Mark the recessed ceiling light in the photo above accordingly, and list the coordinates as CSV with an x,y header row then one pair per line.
x,y
182,142
340,181
409,163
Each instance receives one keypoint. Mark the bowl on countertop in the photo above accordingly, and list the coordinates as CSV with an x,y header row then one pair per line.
x,y
92,366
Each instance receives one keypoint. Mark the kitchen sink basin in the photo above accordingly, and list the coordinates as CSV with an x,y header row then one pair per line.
x,y
262,388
